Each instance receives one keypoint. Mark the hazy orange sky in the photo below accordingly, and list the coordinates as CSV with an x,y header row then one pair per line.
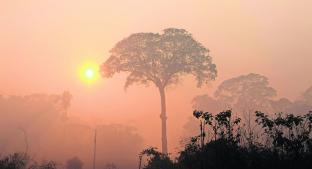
x,y
44,42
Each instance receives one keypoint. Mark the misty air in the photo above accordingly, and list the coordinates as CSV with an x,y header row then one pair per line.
x,y
176,84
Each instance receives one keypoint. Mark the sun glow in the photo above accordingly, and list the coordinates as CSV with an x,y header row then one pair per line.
x,y
89,72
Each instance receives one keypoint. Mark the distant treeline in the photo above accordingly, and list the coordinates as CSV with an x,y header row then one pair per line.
x,y
39,128
283,141
250,92
244,95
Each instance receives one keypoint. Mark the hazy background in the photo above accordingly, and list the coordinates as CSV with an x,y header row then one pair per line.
x,y
44,42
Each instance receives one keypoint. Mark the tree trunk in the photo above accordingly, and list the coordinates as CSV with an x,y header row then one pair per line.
x,y
94,149
163,118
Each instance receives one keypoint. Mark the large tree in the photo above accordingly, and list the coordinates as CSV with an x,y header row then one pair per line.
x,y
160,59
246,93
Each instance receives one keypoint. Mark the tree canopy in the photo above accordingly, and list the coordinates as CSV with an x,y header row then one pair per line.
x,y
246,90
160,58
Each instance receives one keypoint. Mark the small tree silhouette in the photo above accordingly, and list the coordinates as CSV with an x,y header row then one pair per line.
x,y
74,163
14,161
110,166
23,161
161,59
157,160
222,125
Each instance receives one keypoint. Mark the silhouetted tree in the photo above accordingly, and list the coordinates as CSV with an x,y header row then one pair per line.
x,y
22,161
110,166
289,133
222,125
282,105
246,93
298,106
161,59
14,161
205,103
44,165
74,163
204,118
157,160
216,152
288,144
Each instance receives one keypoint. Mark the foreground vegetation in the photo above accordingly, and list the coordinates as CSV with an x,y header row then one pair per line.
x,y
23,161
283,141
224,141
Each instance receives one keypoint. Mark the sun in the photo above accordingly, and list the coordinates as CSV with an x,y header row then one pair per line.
x,y
89,72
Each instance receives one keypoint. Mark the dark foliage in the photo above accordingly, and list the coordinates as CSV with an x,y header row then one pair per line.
x,y
22,161
14,161
74,163
285,143
157,160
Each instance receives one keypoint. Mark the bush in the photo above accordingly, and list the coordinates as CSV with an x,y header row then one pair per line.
x,y
285,143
